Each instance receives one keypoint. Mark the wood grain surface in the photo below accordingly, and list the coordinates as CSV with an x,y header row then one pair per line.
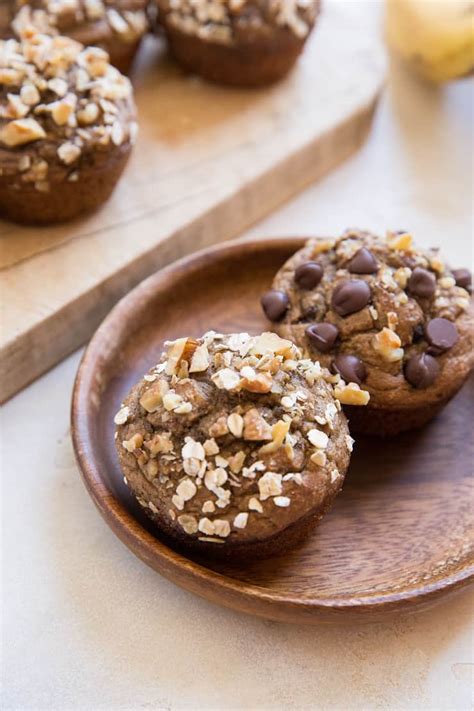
x,y
400,535
209,162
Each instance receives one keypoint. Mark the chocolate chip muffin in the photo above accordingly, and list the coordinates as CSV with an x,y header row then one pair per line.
x,y
381,313
234,445
238,42
67,125
117,26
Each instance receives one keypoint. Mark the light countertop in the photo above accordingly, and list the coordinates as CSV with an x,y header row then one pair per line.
x,y
87,626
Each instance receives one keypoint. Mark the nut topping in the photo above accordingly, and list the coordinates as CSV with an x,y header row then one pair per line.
x,y
209,474
21,132
387,343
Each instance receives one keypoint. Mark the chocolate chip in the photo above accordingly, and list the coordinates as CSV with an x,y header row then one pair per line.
x,y
350,296
421,370
463,278
322,336
422,283
418,332
350,368
441,334
275,304
363,262
308,275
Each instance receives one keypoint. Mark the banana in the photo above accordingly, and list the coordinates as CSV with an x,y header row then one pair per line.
x,y
436,37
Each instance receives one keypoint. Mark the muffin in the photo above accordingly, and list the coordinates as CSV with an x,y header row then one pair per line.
x,y
384,314
238,42
117,26
67,125
234,445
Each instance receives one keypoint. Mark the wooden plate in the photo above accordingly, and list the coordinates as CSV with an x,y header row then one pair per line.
x,y
400,534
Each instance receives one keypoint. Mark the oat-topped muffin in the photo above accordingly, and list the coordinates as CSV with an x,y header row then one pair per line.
x,y
383,313
234,444
67,125
117,26
238,42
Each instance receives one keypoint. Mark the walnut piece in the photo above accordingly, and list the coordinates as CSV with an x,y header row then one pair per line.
x,y
351,394
388,343
20,132
255,427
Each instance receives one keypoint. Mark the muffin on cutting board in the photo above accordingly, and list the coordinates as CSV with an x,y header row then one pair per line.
x,y
238,42
67,127
117,26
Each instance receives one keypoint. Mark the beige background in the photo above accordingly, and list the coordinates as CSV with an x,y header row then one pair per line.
x,y
88,626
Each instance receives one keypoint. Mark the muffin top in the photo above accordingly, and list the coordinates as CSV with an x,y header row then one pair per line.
x,y
233,437
62,107
87,21
240,21
381,312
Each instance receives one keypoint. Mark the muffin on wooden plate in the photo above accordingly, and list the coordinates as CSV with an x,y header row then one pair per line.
x,y
384,314
67,125
234,445
238,42
117,26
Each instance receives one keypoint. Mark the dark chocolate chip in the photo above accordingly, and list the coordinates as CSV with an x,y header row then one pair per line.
x,y
441,334
308,275
350,296
418,332
275,304
422,283
463,278
421,370
350,368
322,336
363,262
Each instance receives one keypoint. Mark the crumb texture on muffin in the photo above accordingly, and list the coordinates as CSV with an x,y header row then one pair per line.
x,y
65,114
381,312
233,439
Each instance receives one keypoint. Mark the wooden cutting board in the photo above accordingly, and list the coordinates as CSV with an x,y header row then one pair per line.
x,y
209,162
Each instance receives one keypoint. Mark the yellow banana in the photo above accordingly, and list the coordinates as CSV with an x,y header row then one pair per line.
x,y
436,37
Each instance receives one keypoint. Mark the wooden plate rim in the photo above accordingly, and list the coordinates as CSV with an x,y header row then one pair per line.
x,y
158,555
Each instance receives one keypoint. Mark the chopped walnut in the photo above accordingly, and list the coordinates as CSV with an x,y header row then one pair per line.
x,y
153,397
160,443
255,426
402,242
388,343
219,427
133,443
21,132
351,394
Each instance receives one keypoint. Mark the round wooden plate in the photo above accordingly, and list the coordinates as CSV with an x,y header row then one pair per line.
x,y
400,534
